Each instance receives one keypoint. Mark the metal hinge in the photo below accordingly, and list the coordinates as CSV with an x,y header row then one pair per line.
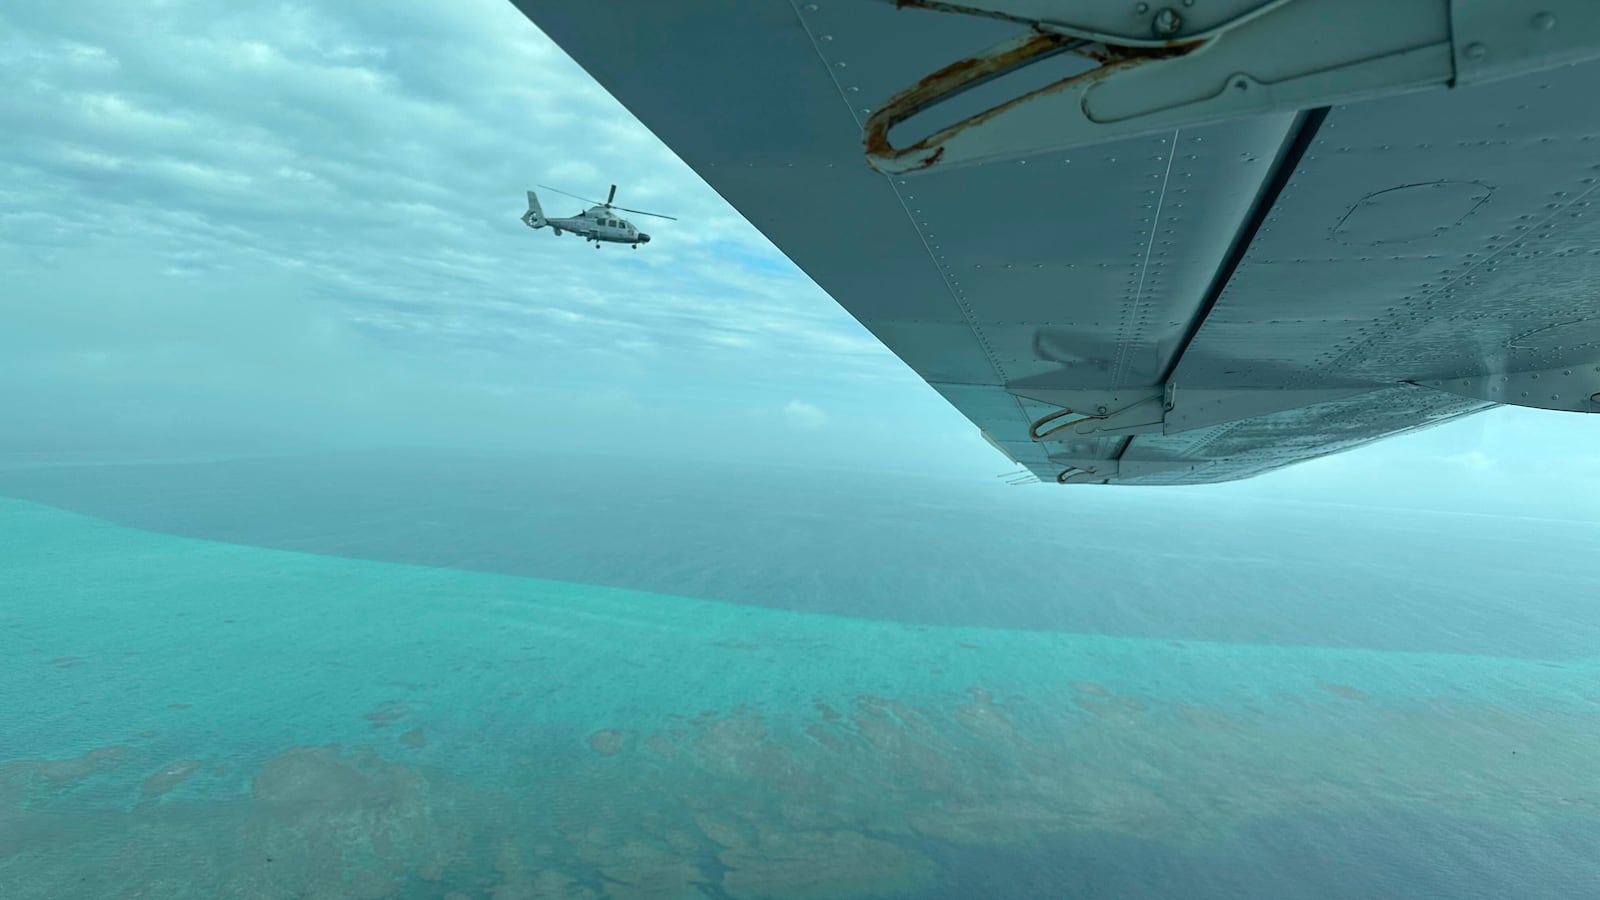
x,y
1085,413
1094,470
1162,409
1164,65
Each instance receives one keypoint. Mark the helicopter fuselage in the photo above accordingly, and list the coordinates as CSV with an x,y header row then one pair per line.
x,y
599,228
598,223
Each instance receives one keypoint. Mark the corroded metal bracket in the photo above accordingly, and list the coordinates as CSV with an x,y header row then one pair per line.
x,y
1105,467
1084,476
1163,410
1085,470
1090,470
1165,65
1088,412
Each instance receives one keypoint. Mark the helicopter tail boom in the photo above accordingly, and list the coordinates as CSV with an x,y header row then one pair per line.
x,y
534,217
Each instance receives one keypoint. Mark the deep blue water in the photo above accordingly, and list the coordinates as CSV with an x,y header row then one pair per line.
x,y
470,676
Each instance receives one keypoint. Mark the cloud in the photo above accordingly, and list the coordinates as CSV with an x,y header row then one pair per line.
x,y
1472,461
300,220
803,415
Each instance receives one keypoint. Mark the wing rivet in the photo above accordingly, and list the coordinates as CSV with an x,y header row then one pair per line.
x,y
1167,23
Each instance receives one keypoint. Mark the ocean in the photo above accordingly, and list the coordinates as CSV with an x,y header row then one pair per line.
x,y
487,676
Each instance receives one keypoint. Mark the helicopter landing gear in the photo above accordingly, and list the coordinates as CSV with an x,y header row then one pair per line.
x,y
635,246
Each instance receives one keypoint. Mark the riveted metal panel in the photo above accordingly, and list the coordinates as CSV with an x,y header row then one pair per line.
x,y
1419,236
1260,444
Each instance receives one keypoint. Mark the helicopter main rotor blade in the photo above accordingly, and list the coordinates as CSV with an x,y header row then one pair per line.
x,y
547,187
643,213
611,196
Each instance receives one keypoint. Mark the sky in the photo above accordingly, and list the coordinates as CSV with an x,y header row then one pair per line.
x,y
260,227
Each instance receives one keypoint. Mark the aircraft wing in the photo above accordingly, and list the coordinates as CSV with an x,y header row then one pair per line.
x,y
1211,256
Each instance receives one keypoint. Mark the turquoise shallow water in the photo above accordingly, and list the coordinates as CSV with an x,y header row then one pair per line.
x,y
191,718
1187,566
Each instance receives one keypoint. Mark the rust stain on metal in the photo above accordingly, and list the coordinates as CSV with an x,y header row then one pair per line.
x,y
932,160
941,83
951,79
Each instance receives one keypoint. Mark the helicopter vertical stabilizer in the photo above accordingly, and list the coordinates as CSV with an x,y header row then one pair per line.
x,y
534,217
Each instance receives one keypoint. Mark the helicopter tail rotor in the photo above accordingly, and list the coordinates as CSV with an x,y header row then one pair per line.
x,y
534,217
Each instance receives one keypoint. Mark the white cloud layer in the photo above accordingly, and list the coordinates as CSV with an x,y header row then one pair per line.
x,y
298,223
804,416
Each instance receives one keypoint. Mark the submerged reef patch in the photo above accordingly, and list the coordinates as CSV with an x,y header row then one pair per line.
x,y
1344,690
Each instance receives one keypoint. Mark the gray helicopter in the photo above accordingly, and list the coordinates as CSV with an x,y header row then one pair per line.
x,y
598,223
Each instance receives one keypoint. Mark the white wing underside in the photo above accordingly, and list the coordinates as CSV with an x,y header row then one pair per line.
x,y
1233,297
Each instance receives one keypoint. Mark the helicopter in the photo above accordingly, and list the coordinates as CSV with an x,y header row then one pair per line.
x,y
597,223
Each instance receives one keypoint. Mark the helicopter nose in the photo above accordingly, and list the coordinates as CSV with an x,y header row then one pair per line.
x,y
644,238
